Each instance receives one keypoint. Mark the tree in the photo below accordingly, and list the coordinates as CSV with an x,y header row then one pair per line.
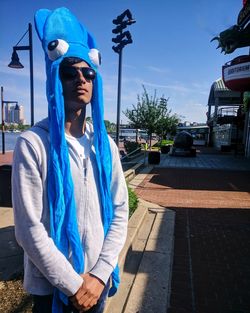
x,y
167,125
111,127
151,113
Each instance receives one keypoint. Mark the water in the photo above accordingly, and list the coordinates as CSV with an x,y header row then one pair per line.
x,y
10,140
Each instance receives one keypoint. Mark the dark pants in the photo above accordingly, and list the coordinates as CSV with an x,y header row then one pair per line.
x,y
43,304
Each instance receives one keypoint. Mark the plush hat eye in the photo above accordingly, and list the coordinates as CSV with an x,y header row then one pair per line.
x,y
57,48
95,56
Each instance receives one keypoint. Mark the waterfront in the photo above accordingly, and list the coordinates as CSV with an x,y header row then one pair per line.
x,y
10,140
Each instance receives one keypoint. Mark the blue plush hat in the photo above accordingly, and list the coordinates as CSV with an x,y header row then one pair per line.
x,y
63,36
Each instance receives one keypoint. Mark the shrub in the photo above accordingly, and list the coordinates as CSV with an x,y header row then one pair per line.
x,y
133,201
163,142
131,146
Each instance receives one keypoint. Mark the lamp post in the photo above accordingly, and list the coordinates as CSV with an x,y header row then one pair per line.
x,y
122,39
15,63
3,133
136,129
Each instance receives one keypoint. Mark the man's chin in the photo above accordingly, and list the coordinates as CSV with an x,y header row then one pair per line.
x,y
82,99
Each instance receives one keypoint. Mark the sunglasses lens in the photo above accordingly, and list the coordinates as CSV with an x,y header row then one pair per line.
x,y
88,73
70,72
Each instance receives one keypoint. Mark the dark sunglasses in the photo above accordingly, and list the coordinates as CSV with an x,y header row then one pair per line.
x,y
70,72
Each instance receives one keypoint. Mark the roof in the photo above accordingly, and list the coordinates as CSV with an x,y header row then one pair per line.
x,y
219,85
223,95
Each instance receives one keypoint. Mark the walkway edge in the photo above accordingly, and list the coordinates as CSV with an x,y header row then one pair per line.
x,y
151,289
135,224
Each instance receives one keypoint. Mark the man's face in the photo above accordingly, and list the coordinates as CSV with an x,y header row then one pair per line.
x,y
77,86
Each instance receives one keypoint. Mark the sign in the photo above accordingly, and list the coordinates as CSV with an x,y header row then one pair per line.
x,y
244,15
236,74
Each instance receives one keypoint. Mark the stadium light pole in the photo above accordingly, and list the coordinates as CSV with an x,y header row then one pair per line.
x,y
122,39
15,63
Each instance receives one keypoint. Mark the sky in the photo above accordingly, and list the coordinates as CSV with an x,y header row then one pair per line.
x,y
171,53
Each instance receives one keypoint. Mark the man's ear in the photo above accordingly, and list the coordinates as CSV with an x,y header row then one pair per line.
x,y
40,19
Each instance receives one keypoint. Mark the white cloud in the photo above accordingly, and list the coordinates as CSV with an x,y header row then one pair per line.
x,y
158,70
38,71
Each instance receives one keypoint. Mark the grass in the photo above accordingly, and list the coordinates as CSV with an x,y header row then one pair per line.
x,y
133,201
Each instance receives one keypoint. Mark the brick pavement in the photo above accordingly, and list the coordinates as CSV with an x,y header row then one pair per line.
x,y
211,271
6,158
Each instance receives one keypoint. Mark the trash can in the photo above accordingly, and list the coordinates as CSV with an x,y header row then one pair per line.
x,y
154,157
5,189
165,149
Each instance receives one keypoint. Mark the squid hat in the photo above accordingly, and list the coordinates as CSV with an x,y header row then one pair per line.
x,y
62,36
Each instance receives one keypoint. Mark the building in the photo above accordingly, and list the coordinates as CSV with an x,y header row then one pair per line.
x,y
14,113
199,132
226,118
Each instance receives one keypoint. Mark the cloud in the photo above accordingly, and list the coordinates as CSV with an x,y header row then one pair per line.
x,y
38,71
177,87
157,69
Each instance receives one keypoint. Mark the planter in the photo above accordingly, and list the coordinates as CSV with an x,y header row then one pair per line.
x,y
165,149
154,157
5,191
225,148
193,152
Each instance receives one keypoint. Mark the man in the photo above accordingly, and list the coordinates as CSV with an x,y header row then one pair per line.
x,y
69,192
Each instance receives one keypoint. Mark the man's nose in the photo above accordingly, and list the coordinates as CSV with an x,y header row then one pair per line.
x,y
80,76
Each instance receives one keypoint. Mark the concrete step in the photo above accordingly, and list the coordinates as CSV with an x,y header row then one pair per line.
x,y
146,268
131,266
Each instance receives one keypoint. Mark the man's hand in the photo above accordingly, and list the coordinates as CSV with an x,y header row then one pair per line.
x,y
89,293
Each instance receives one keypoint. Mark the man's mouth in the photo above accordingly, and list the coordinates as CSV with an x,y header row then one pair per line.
x,y
81,91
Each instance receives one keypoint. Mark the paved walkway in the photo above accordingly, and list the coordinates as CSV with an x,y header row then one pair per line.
x,y
210,195
6,158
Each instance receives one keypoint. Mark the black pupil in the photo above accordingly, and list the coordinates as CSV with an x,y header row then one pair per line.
x,y
52,45
70,72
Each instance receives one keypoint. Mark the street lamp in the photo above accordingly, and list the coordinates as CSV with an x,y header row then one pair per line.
x,y
122,39
136,129
15,63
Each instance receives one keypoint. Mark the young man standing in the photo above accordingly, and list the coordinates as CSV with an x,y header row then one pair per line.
x,y
69,193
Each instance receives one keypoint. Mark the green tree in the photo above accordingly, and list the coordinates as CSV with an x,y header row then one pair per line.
x,y
111,127
167,126
152,114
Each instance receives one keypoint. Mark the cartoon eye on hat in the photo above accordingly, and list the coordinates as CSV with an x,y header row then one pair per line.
x,y
95,57
57,48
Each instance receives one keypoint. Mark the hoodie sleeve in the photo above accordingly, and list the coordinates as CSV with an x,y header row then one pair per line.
x,y
116,236
31,215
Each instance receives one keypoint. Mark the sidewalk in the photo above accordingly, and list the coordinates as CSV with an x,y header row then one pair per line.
x,y
210,195
6,158
188,245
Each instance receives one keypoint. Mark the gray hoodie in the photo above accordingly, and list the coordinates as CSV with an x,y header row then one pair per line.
x,y
44,265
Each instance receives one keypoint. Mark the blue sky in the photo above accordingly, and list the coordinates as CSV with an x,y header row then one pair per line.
x,y
171,51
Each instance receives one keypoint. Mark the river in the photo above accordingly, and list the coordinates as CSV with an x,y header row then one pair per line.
x,y
10,140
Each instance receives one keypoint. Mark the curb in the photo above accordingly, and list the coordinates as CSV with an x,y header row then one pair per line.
x,y
135,223
151,288
136,294
131,173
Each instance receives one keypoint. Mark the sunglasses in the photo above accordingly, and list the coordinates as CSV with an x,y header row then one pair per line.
x,y
70,72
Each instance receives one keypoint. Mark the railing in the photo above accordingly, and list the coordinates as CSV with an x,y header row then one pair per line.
x,y
229,111
130,154
131,159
